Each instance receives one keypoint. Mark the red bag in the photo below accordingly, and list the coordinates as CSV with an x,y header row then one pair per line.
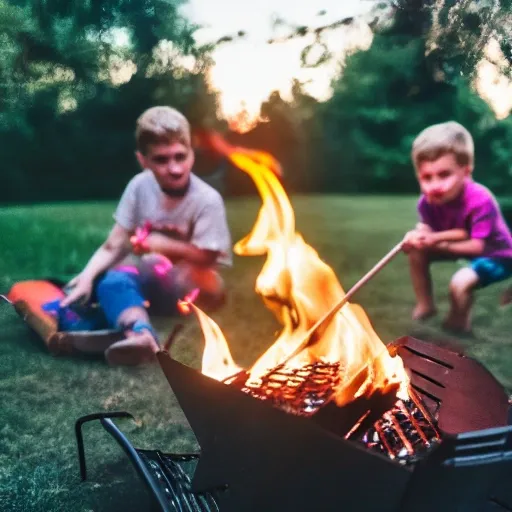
x,y
28,297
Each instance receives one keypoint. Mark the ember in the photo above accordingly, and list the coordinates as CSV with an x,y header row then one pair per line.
x,y
404,433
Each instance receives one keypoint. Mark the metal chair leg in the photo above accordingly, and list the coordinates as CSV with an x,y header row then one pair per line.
x,y
79,436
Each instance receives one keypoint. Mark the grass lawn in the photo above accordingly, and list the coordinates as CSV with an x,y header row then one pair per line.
x,y
41,396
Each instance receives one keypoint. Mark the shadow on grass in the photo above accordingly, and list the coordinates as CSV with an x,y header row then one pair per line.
x,y
32,342
434,335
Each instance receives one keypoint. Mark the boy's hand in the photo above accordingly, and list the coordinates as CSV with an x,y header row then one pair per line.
x,y
419,239
81,289
151,242
427,240
411,240
139,239
139,246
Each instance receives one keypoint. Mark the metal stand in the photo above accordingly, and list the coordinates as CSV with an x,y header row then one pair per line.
x,y
165,475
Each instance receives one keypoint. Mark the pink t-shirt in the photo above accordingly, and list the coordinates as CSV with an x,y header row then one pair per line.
x,y
475,210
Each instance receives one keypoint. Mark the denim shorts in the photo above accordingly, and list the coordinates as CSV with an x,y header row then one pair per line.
x,y
118,290
491,270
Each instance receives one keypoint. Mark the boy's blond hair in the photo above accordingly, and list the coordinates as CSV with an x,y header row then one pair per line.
x,y
441,139
161,124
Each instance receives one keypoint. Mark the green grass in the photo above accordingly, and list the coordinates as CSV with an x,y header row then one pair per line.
x,y
43,395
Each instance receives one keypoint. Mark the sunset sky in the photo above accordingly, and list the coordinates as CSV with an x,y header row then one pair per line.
x,y
248,70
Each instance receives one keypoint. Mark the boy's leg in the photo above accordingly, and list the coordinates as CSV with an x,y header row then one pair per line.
x,y
462,285
91,345
122,301
419,265
140,344
482,272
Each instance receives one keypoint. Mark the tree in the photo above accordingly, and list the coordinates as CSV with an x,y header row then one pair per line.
x,y
386,95
422,68
461,31
75,76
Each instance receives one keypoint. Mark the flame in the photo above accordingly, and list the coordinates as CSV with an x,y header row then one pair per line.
x,y
299,288
217,362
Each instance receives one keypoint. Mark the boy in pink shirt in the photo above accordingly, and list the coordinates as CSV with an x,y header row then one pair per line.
x,y
459,218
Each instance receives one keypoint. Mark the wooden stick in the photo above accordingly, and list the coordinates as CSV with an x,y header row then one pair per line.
x,y
336,308
172,336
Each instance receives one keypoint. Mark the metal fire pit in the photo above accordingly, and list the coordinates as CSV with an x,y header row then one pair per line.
x,y
256,457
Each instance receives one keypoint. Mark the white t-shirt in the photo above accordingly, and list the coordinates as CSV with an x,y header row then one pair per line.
x,y
199,217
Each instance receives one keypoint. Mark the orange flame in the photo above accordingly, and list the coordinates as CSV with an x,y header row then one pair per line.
x,y
299,288
217,361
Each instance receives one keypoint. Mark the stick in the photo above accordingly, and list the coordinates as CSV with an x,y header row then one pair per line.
x,y
330,314
172,336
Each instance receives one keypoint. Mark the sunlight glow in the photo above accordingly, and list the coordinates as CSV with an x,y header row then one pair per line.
x,y
248,69
245,83
491,84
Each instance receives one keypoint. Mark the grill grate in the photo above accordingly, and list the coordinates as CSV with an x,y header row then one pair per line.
x,y
404,433
300,391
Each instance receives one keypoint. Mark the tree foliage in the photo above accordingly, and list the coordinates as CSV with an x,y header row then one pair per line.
x,y
389,93
417,72
75,75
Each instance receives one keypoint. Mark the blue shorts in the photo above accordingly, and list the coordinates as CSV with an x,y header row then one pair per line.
x,y
491,270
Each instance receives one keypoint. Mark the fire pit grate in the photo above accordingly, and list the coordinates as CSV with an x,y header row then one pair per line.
x,y
300,391
167,475
404,433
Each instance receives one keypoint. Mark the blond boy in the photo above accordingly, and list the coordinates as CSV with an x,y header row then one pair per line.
x,y
459,218
188,226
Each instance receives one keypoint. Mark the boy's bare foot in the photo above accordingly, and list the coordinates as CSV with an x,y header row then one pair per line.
x,y
422,313
137,348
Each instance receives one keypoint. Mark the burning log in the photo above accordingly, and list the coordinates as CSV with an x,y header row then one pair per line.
x,y
405,433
